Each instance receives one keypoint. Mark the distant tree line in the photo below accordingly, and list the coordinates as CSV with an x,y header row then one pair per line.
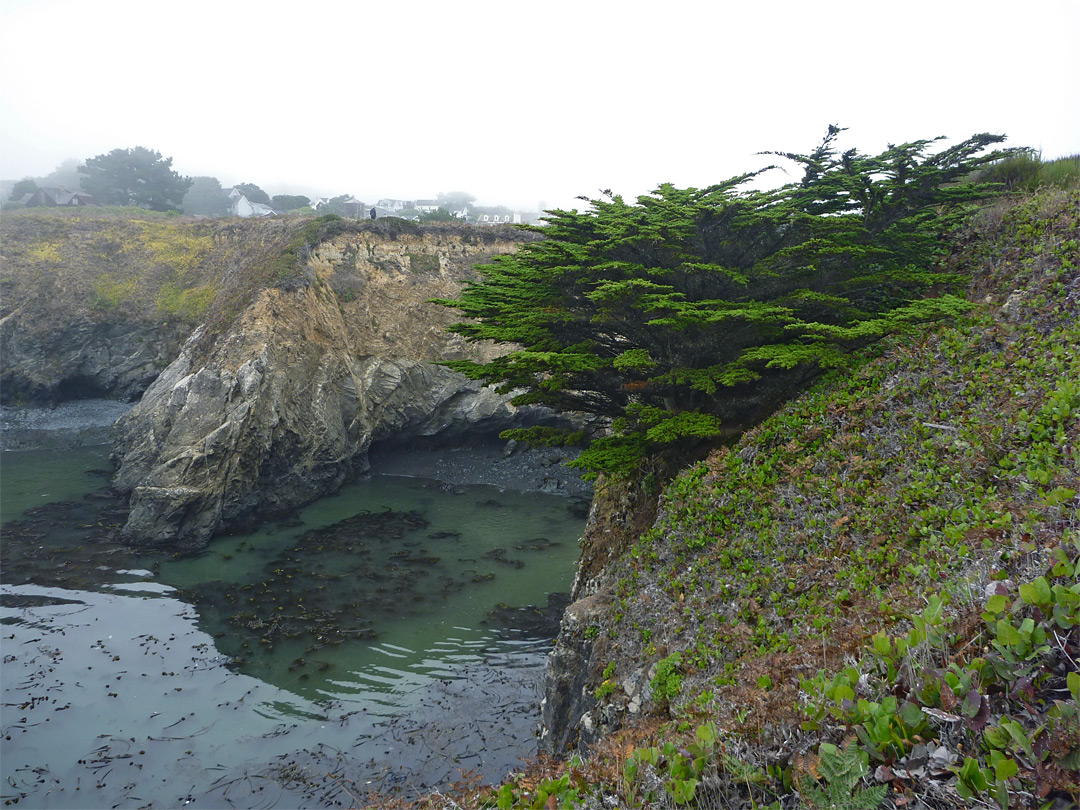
x,y
143,178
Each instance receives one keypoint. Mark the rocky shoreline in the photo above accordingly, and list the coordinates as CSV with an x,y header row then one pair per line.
x,y
77,423
484,460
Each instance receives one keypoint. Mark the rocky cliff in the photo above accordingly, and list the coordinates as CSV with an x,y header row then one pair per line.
x,y
943,469
278,352
283,406
94,304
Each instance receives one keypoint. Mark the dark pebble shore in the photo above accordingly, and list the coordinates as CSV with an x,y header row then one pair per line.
x,y
490,461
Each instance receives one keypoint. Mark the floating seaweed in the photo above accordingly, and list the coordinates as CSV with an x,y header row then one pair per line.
x,y
66,544
329,586
537,544
499,555
531,620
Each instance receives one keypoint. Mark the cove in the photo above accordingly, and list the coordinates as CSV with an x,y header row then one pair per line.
x,y
387,638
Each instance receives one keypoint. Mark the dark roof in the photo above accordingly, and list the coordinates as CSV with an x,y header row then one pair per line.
x,y
46,196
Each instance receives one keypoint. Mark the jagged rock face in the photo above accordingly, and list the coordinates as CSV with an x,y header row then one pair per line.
x,y
84,359
284,407
573,666
571,716
94,304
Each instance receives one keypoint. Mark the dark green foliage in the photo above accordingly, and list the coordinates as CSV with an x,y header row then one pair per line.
x,y
336,205
694,312
206,198
140,177
393,227
22,188
438,215
253,193
289,202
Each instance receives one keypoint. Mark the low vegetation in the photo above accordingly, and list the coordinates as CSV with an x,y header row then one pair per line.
x,y
1026,171
145,266
872,598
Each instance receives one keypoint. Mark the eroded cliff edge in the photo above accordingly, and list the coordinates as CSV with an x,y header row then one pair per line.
x,y
285,348
283,406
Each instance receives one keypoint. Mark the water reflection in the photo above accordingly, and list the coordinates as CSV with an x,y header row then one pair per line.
x,y
382,639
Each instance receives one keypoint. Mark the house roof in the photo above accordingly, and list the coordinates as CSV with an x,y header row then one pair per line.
x,y
49,195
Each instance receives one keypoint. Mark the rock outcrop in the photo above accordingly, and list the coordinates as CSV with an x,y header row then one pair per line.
x,y
85,358
572,718
95,304
282,408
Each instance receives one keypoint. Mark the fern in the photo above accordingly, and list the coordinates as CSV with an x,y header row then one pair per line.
x,y
841,771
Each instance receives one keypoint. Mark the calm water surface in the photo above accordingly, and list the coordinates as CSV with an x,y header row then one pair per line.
x,y
358,646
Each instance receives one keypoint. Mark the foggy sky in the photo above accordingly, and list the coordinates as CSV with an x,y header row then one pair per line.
x,y
520,103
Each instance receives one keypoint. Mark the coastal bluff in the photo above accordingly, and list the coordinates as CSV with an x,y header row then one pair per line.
x,y
264,358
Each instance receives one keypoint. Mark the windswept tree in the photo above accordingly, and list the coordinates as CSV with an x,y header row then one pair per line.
x,y
289,202
22,188
693,312
206,198
253,193
140,177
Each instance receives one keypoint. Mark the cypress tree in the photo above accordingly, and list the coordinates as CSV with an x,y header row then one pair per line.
x,y
691,313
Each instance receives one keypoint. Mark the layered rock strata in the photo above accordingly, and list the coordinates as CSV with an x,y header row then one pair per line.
x,y
285,404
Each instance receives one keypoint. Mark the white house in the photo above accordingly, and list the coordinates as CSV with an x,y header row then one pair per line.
x,y
241,206
499,219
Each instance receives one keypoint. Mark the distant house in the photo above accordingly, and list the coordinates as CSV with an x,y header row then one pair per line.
x,y
53,197
355,208
394,205
426,206
497,218
241,206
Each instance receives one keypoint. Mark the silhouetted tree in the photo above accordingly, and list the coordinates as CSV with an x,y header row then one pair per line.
x,y
205,198
253,193
22,188
138,176
455,200
66,175
336,205
289,202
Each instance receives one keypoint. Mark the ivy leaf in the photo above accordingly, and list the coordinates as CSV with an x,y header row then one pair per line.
x,y
1005,769
1007,634
1037,592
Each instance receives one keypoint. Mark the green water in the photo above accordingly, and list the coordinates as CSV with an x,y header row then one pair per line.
x,y
422,594
118,663
34,478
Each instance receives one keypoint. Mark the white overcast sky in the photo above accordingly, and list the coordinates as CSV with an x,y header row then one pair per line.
x,y
521,102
